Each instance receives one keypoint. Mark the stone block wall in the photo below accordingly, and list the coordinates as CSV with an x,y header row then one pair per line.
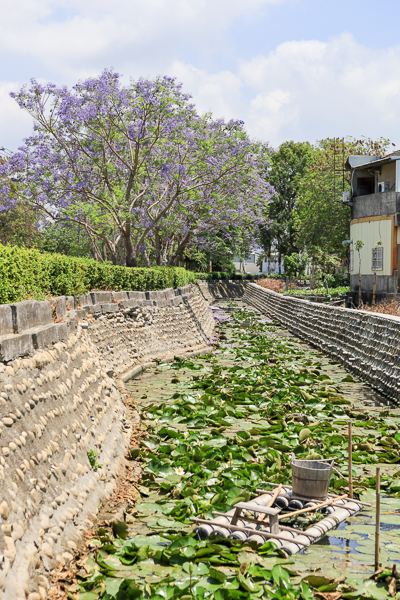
x,y
61,364
213,290
367,343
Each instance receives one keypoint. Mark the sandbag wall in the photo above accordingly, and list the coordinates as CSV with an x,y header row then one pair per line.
x,y
368,343
59,369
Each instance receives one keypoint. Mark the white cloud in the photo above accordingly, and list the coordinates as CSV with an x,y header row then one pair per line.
x,y
14,123
68,33
310,90
303,90
216,92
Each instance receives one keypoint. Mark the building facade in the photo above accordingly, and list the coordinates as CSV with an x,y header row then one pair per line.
x,y
251,263
375,221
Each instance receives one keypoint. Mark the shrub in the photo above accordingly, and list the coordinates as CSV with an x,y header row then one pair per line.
x,y
216,275
33,274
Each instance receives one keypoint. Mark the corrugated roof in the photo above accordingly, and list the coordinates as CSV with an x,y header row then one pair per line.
x,y
380,161
355,160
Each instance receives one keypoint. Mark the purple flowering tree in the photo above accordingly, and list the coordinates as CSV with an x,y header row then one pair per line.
x,y
135,166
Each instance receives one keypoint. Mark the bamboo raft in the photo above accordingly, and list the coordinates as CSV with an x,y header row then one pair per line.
x,y
247,520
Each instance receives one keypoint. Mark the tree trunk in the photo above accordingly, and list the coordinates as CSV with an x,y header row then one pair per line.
x,y
131,256
146,259
157,240
279,263
174,260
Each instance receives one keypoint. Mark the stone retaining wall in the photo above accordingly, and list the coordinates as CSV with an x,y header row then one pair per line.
x,y
61,364
368,343
214,290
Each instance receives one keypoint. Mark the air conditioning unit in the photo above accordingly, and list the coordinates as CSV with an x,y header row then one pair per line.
x,y
383,186
346,196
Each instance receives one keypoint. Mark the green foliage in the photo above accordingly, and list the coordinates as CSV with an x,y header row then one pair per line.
x,y
358,245
228,275
336,292
321,219
92,459
289,166
33,274
296,264
232,425
66,238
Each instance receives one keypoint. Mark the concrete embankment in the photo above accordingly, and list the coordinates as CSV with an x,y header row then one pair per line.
x,y
62,366
367,343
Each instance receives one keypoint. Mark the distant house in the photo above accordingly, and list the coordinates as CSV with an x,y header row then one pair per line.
x,y
375,217
250,263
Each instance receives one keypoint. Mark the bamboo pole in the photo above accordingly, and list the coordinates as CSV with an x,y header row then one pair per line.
x,y
289,487
257,522
350,460
274,495
377,516
312,508
261,532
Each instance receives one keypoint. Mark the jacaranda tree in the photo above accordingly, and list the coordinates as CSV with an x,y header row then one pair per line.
x,y
136,167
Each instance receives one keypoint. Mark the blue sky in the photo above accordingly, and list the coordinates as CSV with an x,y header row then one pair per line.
x,y
291,69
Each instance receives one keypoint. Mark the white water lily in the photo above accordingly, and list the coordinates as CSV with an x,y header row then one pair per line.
x,y
179,471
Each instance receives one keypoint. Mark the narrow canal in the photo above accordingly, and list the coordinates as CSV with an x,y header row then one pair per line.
x,y
216,428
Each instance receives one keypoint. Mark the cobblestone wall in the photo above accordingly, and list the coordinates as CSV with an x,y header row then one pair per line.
x,y
368,343
213,290
59,369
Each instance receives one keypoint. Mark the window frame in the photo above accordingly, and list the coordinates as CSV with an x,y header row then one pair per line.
x,y
377,259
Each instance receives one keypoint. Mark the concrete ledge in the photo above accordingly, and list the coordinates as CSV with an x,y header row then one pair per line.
x,y
118,296
15,345
48,335
131,303
6,319
109,308
30,313
85,300
59,306
100,297
137,295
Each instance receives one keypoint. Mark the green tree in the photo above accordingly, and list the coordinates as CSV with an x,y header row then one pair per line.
x,y
19,223
322,221
67,238
289,166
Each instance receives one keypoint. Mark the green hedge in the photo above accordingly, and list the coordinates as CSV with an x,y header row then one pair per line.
x,y
26,274
226,275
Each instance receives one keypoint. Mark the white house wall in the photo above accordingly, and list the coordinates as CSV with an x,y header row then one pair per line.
x,y
388,173
371,232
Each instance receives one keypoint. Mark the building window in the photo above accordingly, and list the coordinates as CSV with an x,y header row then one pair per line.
x,y
377,259
351,260
251,258
366,186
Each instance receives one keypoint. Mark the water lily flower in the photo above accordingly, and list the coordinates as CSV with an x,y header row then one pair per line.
x,y
179,471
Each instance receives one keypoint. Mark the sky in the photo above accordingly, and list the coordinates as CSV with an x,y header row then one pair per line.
x,y
296,70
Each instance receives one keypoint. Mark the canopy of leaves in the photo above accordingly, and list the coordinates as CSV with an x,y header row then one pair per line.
x,y
322,221
136,167
288,167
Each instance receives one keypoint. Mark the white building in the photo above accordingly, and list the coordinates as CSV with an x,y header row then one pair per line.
x,y
249,264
